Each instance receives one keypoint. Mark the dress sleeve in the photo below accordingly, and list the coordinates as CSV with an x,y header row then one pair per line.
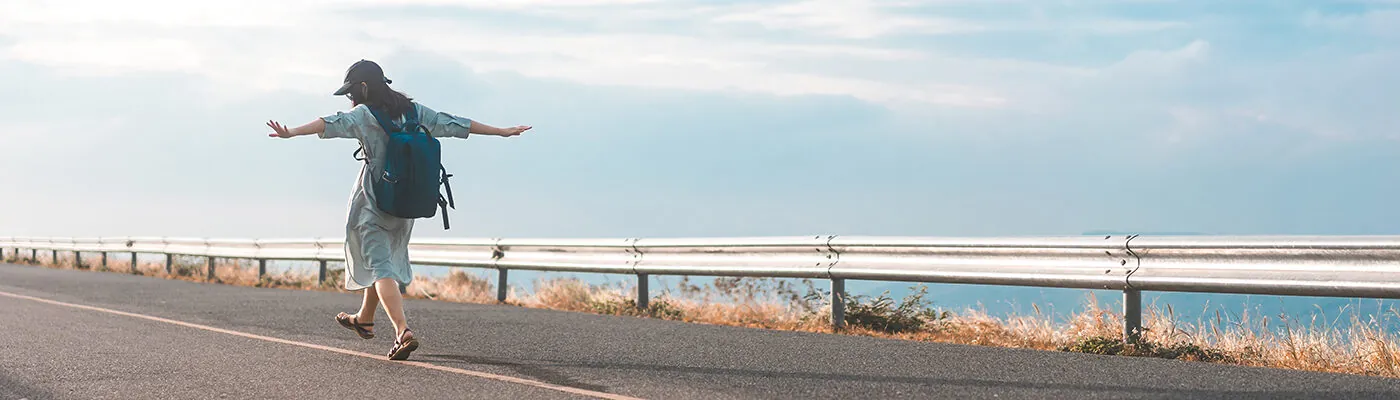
x,y
441,124
344,124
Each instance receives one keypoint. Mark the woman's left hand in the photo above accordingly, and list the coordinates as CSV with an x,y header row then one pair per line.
x,y
514,130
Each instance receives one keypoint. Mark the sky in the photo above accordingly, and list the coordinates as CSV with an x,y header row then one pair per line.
x,y
715,118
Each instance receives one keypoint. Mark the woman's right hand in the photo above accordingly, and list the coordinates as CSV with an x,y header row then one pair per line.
x,y
279,130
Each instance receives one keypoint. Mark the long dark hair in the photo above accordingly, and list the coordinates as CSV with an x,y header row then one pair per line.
x,y
378,96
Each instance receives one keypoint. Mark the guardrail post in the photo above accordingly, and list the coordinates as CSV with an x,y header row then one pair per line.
x,y
642,296
501,285
104,259
1132,315
210,273
838,303
262,268
134,267
77,259
169,264
55,258
321,275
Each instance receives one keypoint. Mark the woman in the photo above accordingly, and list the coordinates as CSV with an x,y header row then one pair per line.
x,y
376,243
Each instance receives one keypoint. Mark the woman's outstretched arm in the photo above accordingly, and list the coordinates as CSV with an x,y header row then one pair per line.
x,y
443,124
310,128
483,129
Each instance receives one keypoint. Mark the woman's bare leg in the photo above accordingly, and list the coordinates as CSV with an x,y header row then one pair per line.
x,y
392,300
367,306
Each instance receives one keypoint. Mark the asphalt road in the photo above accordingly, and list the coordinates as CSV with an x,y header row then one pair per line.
x,y
93,335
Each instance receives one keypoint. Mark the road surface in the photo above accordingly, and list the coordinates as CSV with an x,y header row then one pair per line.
x,y
93,335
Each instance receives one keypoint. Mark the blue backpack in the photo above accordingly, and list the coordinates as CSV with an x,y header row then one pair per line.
x,y
413,169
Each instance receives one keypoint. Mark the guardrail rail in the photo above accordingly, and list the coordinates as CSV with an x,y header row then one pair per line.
x,y
1332,266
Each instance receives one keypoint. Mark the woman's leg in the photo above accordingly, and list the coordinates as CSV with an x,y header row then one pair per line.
x,y
392,300
361,322
368,305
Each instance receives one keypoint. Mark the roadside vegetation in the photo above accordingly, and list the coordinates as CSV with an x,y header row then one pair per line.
x,y
1360,346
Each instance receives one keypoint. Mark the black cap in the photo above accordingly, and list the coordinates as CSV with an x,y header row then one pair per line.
x,y
361,71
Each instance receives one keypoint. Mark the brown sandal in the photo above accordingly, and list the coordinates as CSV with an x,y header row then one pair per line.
x,y
352,322
402,347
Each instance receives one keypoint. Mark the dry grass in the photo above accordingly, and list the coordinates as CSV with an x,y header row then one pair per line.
x,y
1358,347
457,286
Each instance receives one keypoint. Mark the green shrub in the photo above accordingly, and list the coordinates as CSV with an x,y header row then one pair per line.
x,y
658,308
182,268
1113,346
1100,345
882,314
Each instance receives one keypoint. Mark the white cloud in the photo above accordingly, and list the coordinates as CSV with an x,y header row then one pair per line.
x,y
107,56
150,12
858,19
250,48
1384,23
264,46
1161,62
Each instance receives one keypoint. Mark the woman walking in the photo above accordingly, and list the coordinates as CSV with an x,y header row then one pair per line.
x,y
376,243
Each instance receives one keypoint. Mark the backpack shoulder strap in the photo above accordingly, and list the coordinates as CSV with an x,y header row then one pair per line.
x,y
411,117
384,123
412,122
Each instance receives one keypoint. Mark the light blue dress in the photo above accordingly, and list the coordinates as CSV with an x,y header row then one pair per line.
x,y
376,243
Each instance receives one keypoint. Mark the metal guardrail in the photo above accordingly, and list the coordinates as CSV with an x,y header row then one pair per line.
x,y
1356,266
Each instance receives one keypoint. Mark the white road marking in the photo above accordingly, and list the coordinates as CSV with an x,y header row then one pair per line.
x,y
459,371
